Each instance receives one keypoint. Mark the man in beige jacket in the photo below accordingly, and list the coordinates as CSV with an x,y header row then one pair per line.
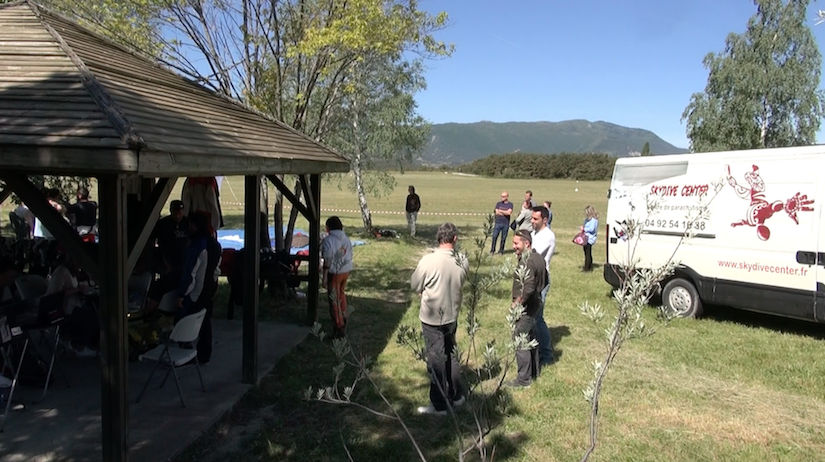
x,y
439,278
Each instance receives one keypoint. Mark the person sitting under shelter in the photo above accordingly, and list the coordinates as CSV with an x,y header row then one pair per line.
x,y
168,281
82,330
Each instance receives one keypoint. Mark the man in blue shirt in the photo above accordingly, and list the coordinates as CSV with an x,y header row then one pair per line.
x,y
503,210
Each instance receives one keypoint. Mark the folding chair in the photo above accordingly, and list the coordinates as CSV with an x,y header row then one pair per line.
x,y
173,356
50,314
31,287
8,337
138,288
168,303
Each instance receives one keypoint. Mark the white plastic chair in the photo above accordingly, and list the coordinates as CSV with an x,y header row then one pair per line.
x,y
138,285
173,356
31,287
168,304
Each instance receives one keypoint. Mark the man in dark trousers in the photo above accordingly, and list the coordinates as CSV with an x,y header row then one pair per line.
x,y
503,210
529,280
413,206
439,278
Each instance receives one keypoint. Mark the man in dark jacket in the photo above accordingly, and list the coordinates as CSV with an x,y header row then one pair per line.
x,y
413,206
529,281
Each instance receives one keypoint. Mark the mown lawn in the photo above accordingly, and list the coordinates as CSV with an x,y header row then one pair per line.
x,y
732,386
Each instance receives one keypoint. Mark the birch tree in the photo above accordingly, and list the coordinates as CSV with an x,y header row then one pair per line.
x,y
763,89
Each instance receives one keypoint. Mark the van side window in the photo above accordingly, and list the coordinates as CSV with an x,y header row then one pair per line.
x,y
634,175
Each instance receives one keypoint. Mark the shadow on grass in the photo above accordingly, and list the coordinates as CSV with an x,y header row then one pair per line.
x,y
275,422
557,333
764,321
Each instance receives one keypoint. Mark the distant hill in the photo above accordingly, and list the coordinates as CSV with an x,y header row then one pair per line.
x,y
454,143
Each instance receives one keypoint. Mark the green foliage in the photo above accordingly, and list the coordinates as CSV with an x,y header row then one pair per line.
x,y
380,123
646,149
561,166
762,91
134,23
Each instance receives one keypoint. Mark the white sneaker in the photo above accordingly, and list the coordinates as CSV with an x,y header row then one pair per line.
x,y
86,353
430,410
459,402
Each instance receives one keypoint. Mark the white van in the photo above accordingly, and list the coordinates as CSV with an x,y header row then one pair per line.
x,y
760,246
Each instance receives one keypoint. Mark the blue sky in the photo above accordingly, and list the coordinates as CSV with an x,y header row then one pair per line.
x,y
634,63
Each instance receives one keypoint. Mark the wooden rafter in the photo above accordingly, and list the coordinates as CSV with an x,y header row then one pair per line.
x,y
157,199
5,193
291,197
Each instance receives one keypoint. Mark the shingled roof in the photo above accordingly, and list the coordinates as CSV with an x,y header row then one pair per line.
x,y
72,101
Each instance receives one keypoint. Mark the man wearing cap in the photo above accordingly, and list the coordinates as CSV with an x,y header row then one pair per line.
x,y
529,280
171,232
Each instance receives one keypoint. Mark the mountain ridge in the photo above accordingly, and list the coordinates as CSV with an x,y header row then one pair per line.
x,y
457,143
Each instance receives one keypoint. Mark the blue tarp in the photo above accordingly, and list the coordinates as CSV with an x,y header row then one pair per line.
x,y
234,239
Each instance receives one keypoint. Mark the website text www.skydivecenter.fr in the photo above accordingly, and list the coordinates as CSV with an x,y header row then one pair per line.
x,y
759,267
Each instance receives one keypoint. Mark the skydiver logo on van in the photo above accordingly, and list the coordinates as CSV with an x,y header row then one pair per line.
x,y
760,209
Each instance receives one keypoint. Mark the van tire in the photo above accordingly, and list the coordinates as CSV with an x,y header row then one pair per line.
x,y
682,298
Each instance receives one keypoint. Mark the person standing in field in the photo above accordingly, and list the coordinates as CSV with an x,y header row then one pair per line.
x,y
528,197
544,242
438,279
527,288
547,205
336,249
523,219
590,228
503,211
413,206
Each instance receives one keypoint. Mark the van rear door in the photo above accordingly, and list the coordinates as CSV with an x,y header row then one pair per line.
x,y
819,302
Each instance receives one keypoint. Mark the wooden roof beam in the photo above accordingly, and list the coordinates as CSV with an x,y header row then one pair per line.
x,y
296,202
157,199
311,201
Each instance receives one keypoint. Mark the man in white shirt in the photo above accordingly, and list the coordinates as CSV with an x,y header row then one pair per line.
x,y
544,242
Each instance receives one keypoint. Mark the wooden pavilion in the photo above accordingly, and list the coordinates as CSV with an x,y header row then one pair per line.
x,y
74,103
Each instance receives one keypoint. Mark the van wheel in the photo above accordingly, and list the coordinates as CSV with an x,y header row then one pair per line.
x,y
681,297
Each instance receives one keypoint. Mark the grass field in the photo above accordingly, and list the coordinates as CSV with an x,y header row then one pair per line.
x,y
731,386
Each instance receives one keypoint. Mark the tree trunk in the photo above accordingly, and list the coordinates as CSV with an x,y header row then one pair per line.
x,y
366,216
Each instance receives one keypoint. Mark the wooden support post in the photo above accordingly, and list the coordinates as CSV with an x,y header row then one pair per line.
x,y
251,273
113,350
314,249
4,194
